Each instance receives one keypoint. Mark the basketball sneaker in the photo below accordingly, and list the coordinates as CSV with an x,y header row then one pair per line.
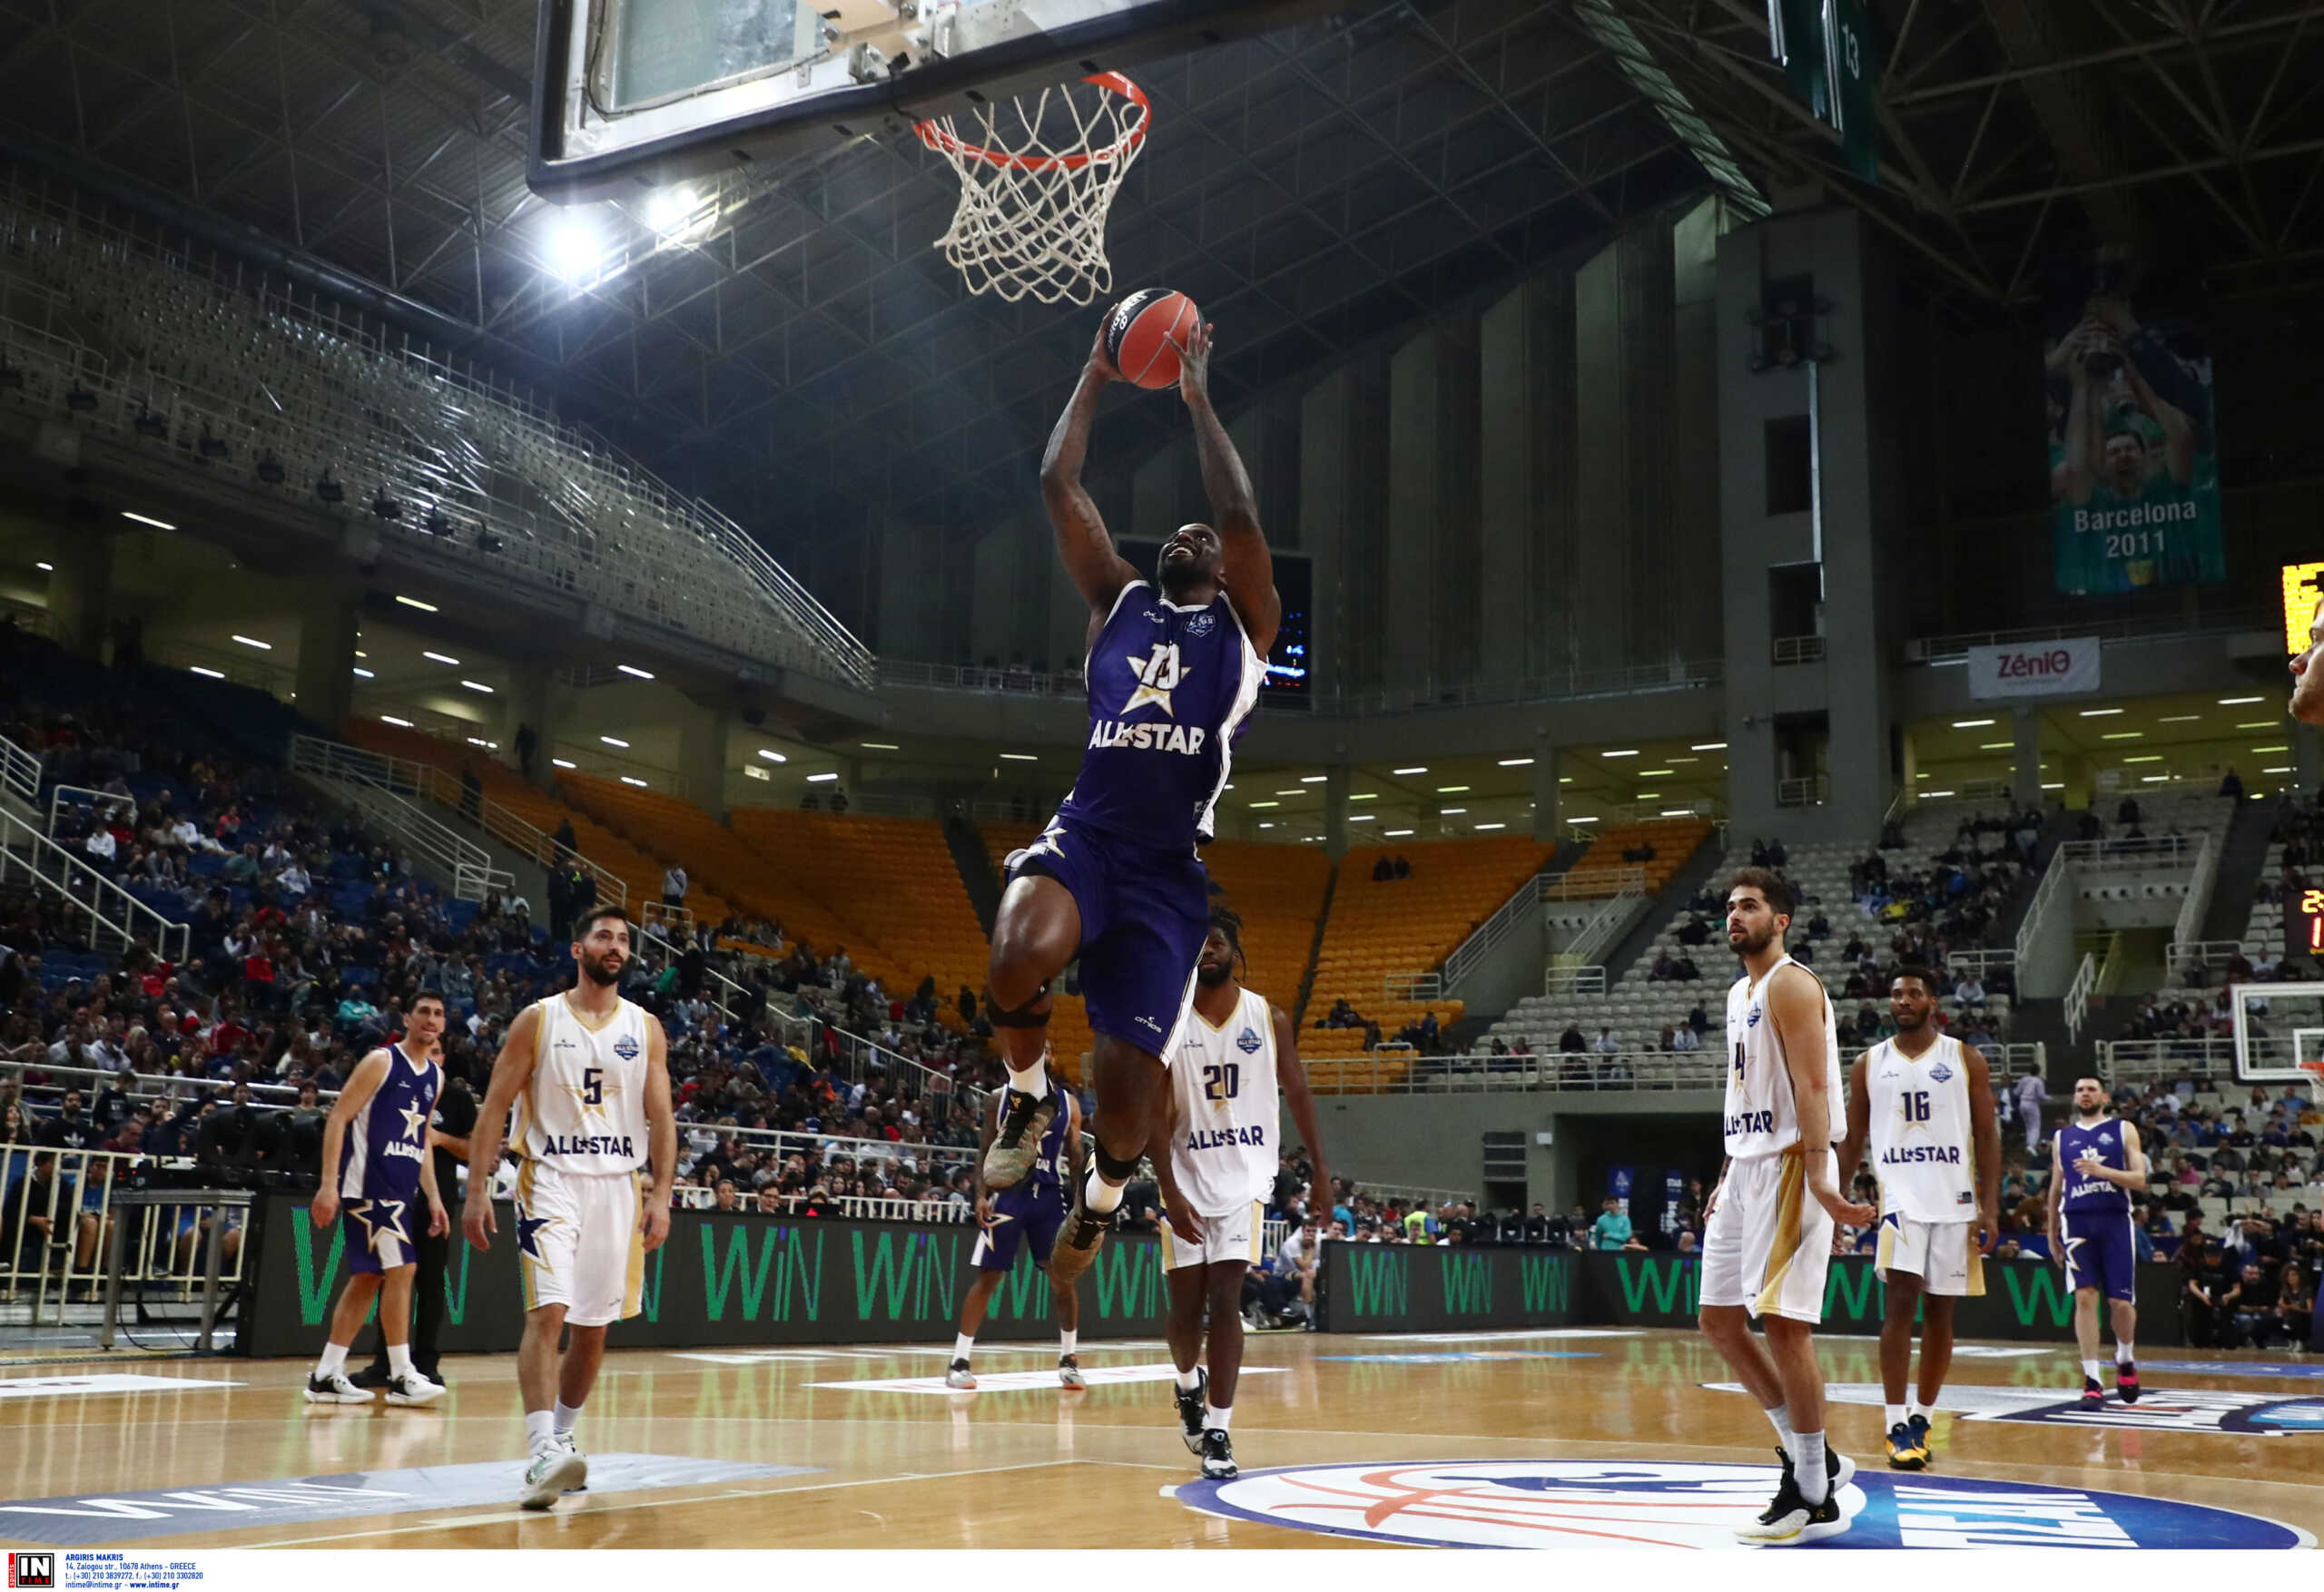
x,y
1904,1451
1919,1423
1791,1520
565,1440
1217,1456
334,1388
1068,1372
2093,1397
1017,1142
2126,1380
556,1469
411,1387
1077,1242
1191,1401
959,1376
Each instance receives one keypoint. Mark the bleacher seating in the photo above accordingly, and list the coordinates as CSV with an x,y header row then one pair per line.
x,y
1381,928
1674,840
1279,892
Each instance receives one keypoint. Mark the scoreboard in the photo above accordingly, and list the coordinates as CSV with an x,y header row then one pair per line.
x,y
2303,586
2304,923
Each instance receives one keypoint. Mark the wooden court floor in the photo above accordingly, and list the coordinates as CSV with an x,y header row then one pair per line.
x,y
779,1449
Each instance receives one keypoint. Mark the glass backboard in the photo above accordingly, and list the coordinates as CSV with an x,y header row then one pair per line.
x,y
634,94
2277,1029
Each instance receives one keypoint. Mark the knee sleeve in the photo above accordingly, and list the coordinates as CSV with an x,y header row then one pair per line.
x,y
1033,1014
1113,1169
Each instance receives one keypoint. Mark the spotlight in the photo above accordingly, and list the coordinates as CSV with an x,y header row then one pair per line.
x,y
330,490
385,506
437,526
486,542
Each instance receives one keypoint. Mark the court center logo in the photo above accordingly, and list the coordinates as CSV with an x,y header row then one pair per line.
x,y
1610,1503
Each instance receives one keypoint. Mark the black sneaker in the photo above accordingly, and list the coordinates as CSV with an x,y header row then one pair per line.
x,y
1919,1423
1017,1143
1781,1517
374,1375
1217,1456
1905,1451
2126,1380
2093,1397
1191,1403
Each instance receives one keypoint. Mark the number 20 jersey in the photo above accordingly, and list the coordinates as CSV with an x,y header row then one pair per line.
x,y
1225,1152
584,1112
1170,688
1762,1117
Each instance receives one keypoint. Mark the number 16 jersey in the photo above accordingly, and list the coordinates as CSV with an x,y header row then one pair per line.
x,y
1226,1154
1762,1117
584,1112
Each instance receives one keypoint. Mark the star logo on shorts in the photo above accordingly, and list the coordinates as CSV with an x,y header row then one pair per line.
x,y
529,1232
382,1219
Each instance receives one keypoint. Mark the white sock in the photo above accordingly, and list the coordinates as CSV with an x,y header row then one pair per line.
x,y
962,1345
1915,1411
1034,1080
1897,1413
1780,1417
2123,1355
398,1359
2090,1370
1214,1419
540,1428
1098,1197
1190,1379
1808,1467
1069,1342
333,1361
566,1416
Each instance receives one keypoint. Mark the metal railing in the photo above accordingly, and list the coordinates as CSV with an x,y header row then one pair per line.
x,y
1799,649
381,789
1804,790
1954,649
1980,962
1558,980
19,773
1565,685
2124,856
2077,1012
1606,926
1628,1072
61,797
983,678
513,830
1409,1193
842,1207
2185,956
2198,904
114,916
2049,897
2152,1060
53,1252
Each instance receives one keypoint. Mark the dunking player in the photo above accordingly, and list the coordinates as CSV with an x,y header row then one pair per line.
x,y
376,1143
1174,669
1028,1215
1217,1177
1925,1102
1768,1243
2095,1162
587,1072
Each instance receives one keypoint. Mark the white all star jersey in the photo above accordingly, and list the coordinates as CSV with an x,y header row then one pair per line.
x,y
1226,1154
584,1111
1762,1118
1921,1150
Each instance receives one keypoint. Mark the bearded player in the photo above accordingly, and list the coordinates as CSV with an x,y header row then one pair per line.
x,y
1925,1103
1768,1241
1174,669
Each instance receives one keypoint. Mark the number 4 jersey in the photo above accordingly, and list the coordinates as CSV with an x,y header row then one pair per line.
x,y
1762,1118
584,1109
1226,1154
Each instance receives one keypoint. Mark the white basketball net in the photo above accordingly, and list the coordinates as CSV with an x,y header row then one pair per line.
x,y
1036,176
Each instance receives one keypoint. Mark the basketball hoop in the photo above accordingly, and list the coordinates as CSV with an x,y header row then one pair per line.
x,y
1037,175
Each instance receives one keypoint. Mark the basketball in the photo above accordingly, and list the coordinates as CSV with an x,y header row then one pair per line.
x,y
1144,332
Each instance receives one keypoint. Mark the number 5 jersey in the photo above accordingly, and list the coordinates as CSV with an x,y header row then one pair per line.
x,y
584,1109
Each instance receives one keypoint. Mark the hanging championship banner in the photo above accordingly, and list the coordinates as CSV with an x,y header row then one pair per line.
x,y
2133,456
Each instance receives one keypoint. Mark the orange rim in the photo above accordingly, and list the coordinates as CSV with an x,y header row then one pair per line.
x,y
944,143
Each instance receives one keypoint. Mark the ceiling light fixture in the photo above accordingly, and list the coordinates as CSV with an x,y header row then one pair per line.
x,y
147,519
614,741
444,658
1020,757
477,686
772,755
365,674
2239,701
820,778
879,746
633,779
1408,770
562,763
1516,763
2100,712
406,723
251,641
636,672
205,673
416,603
1708,746
1975,723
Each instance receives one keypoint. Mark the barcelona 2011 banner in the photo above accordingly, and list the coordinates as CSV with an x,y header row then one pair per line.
x,y
2135,497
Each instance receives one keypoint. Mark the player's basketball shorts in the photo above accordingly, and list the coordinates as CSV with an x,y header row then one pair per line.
x,y
381,1234
1036,1222
579,1244
1232,1237
2100,1251
1768,1244
1943,1254
1143,917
